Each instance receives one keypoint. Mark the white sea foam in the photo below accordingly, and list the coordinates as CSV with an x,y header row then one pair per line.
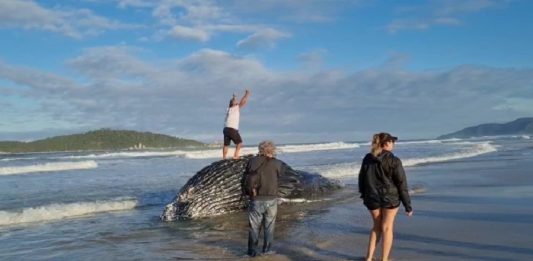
x,y
130,154
215,153
300,200
420,142
526,137
21,158
211,154
62,211
336,171
477,149
452,139
47,167
346,170
317,147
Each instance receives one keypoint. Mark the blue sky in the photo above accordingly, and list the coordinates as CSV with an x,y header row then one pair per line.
x,y
318,70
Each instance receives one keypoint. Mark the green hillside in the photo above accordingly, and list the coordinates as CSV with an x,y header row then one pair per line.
x,y
516,127
104,139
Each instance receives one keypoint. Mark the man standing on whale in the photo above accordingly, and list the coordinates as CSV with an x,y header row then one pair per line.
x,y
231,126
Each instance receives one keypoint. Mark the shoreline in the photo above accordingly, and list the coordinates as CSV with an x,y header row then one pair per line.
x,y
467,210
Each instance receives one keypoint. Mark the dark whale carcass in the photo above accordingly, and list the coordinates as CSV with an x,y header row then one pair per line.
x,y
216,190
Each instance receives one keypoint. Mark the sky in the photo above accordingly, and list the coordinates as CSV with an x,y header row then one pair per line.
x,y
318,70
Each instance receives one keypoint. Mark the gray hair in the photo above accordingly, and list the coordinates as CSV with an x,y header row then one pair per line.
x,y
267,148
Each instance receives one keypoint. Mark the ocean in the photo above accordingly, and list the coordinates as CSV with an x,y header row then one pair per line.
x,y
106,205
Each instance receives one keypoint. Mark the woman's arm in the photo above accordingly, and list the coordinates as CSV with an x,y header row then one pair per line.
x,y
400,181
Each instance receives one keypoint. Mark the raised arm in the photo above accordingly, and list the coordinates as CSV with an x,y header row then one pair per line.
x,y
244,99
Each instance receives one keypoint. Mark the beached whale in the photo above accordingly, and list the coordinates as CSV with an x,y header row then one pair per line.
x,y
216,190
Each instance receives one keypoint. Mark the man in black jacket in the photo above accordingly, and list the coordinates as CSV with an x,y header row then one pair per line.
x,y
263,204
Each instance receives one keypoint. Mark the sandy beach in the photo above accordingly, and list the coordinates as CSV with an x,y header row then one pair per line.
x,y
477,209
465,208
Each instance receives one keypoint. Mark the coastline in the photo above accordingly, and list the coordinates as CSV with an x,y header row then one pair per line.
x,y
472,208
456,217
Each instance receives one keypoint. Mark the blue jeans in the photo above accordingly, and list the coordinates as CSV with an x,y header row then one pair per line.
x,y
261,213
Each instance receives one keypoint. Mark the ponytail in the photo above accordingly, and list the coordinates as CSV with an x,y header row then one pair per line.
x,y
376,145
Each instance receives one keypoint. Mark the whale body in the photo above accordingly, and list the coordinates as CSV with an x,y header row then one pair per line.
x,y
216,190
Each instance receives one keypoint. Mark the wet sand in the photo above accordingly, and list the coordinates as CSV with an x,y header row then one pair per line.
x,y
476,209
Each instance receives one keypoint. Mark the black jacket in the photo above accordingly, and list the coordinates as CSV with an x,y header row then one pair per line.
x,y
270,172
382,182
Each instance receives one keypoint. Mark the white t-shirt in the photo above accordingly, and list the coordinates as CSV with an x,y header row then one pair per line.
x,y
232,117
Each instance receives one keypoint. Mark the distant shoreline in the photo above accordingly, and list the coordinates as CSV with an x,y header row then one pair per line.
x,y
100,140
520,126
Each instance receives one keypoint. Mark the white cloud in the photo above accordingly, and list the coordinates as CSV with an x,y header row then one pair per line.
x,y
189,33
188,96
111,63
134,3
444,13
263,38
73,23
37,80
515,104
202,20
313,59
309,11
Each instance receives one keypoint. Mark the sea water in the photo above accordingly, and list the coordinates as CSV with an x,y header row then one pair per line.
x,y
107,204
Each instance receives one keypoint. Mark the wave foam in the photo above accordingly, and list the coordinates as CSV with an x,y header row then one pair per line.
x,y
47,167
347,170
317,147
420,142
206,154
476,150
61,211
336,171
216,153
13,159
137,154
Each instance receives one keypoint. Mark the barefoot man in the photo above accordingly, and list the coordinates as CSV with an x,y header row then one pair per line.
x,y
231,127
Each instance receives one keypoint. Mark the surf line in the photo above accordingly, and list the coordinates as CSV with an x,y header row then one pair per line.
x,y
49,167
61,211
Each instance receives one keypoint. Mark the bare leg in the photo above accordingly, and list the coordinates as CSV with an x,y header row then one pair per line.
x,y
224,152
375,233
388,228
237,151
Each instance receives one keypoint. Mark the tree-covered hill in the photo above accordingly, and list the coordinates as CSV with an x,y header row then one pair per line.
x,y
104,139
516,127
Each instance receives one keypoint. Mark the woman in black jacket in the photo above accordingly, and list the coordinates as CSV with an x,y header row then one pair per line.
x,y
383,186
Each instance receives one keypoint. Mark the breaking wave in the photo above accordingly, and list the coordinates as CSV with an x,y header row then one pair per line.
x,y
47,167
128,154
215,153
206,154
62,211
317,147
476,150
347,170
421,142
336,171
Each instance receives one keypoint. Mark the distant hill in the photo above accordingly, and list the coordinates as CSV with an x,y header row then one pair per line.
x,y
516,127
104,139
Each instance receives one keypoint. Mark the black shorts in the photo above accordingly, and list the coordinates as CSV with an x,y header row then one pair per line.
x,y
373,205
231,134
